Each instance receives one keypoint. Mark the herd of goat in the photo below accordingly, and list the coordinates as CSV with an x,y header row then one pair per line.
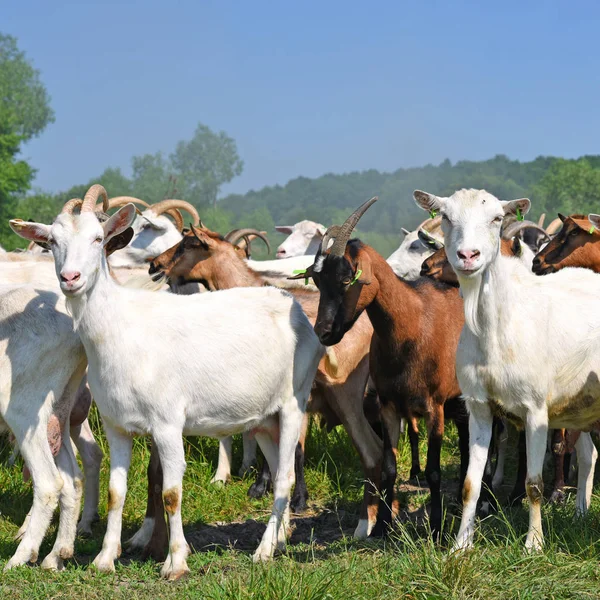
x,y
456,324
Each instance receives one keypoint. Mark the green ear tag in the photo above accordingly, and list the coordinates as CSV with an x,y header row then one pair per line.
x,y
301,272
520,217
356,277
432,213
592,229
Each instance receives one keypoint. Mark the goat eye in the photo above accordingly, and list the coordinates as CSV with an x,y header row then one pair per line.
x,y
445,218
347,281
497,220
99,239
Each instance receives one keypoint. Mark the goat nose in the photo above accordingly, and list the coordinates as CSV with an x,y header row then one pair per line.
x,y
280,251
153,268
537,261
69,276
467,254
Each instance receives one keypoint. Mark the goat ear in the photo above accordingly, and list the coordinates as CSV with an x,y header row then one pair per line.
x,y
404,231
427,202
562,217
36,232
284,228
118,241
594,220
119,222
364,264
516,207
201,236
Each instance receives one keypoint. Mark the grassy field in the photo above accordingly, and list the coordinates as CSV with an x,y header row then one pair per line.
x,y
322,561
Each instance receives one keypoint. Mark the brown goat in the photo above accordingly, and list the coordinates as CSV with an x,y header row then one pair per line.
x,y
412,360
575,245
338,391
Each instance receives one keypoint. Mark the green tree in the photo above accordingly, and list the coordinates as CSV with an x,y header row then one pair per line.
x,y
24,113
204,163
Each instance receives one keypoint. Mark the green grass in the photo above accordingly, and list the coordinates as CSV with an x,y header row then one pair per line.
x,y
322,561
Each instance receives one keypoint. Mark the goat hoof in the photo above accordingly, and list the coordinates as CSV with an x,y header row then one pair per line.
x,y
258,490
298,504
53,562
557,497
173,570
104,564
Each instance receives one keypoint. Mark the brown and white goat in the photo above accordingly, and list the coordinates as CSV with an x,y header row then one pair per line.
x,y
338,390
416,330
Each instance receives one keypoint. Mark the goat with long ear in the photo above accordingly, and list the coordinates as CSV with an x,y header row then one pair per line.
x,y
191,380
411,361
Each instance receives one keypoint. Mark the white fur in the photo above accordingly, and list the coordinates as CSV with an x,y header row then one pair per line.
x,y
184,375
41,366
304,237
515,343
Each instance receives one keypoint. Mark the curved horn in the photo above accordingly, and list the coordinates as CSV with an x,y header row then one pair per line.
x,y
165,205
554,226
237,234
91,197
228,236
119,201
177,217
343,233
520,225
71,205
430,224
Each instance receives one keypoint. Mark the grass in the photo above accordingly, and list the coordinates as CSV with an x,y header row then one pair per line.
x,y
322,561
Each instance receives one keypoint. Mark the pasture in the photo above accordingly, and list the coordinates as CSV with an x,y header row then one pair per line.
x,y
223,526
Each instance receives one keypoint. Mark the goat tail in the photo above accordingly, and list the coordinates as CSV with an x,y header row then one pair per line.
x,y
575,364
331,362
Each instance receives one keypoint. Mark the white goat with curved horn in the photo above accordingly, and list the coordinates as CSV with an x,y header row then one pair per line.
x,y
191,379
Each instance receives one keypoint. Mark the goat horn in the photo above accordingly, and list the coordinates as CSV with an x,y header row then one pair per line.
x,y
91,197
519,226
165,205
237,234
554,226
430,224
177,217
343,233
541,219
71,205
119,201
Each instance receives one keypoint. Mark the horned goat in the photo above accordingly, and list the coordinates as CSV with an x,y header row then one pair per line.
x,y
195,393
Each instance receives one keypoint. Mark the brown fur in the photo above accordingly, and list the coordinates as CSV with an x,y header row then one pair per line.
x,y
412,358
573,246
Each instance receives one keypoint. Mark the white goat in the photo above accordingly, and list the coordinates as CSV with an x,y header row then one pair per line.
x,y
304,238
153,231
42,363
205,389
515,352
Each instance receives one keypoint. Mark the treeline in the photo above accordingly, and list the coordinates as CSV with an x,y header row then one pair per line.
x,y
553,184
198,167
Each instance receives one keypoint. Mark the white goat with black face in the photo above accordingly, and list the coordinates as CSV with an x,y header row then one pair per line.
x,y
304,238
190,380
515,352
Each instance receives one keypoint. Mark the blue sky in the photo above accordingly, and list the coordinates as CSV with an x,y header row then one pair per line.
x,y
309,87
